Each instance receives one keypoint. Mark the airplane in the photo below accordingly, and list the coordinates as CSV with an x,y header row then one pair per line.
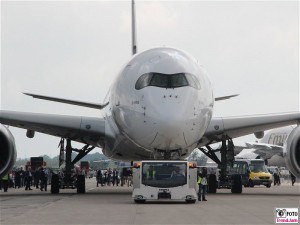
x,y
268,148
160,106
272,154
277,136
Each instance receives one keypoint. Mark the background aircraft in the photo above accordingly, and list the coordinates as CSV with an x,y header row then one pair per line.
x,y
270,147
272,154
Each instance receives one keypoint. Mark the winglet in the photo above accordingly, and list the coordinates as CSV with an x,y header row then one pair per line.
x,y
225,97
68,101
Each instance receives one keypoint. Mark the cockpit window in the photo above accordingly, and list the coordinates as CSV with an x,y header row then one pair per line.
x,y
159,80
167,80
179,80
193,81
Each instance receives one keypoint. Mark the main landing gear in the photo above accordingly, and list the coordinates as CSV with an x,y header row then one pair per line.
x,y
226,179
69,179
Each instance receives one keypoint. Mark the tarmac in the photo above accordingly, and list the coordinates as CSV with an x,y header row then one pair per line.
x,y
114,205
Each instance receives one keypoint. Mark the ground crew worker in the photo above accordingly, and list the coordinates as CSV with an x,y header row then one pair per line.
x,y
5,182
202,182
150,174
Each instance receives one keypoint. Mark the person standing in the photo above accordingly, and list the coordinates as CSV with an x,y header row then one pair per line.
x,y
124,176
22,172
5,182
151,173
109,176
43,178
293,178
202,182
36,178
115,177
129,177
27,179
17,179
99,178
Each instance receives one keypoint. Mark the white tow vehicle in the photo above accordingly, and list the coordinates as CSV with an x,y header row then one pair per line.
x,y
164,180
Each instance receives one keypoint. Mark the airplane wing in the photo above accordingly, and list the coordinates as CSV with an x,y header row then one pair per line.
x,y
252,150
68,101
225,97
221,128
272,154
89,130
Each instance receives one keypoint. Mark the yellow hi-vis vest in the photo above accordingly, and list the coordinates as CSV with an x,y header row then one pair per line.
x,y
200,179
148,174
5,177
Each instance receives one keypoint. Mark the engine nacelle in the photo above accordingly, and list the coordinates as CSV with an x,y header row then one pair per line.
x,y
291,152
8,153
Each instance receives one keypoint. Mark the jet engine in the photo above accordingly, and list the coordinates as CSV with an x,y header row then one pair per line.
x,y
291,152
8,153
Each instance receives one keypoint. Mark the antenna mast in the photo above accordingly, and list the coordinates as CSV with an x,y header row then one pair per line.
x,y
134,47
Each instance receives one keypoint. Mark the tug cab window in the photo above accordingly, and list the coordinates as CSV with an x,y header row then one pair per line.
x,y
167,80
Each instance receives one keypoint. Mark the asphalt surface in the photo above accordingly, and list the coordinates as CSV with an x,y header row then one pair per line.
x,y
114,205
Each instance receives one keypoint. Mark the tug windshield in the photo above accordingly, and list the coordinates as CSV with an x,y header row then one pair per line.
x,y
164,175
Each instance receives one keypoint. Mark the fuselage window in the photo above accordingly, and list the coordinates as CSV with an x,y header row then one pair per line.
x,y
167,80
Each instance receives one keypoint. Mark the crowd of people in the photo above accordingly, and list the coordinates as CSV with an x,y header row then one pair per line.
x,y
277,176
28,178
41,177
114,177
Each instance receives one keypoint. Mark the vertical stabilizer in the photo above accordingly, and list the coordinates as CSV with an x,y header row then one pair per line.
x,y
134,47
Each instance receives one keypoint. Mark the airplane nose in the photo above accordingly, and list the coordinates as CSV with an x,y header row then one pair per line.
x,y
165,119
169,119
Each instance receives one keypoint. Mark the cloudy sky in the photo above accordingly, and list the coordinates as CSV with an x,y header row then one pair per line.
x,y
74,49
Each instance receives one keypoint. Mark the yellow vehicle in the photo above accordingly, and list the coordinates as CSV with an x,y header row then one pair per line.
x,y
257,173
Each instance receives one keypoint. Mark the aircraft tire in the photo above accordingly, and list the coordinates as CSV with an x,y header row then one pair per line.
x,y
54,184
212,183
237,186
80,184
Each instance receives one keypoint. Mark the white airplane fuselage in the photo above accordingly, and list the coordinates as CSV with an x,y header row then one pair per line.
x,y
161,101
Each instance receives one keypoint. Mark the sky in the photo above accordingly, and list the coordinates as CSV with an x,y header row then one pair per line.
x,y
74,49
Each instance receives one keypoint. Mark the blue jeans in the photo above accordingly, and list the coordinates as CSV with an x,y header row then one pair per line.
x,y
202,191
